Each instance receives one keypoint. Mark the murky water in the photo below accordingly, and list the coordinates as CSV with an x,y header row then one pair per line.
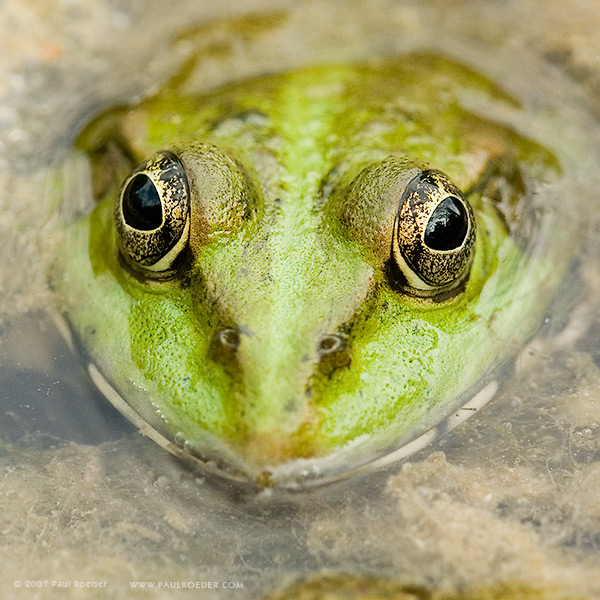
x,y
507,505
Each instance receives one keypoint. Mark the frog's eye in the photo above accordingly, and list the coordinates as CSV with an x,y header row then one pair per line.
x,y
434,234
152,213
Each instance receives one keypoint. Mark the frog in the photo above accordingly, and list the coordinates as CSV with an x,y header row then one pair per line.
x,y
287,278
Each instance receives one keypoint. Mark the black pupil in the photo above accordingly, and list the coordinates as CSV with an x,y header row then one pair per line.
x,y
447,226
142,208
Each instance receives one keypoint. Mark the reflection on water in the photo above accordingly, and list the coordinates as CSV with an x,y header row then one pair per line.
x,y
45,393
508,501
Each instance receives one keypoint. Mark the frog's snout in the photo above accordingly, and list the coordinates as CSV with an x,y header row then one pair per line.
x,y
277,377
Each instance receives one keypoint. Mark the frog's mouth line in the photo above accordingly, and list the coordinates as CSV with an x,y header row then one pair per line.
x,y
298,474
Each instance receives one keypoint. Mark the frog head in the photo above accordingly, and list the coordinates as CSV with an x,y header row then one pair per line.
x,y
307,269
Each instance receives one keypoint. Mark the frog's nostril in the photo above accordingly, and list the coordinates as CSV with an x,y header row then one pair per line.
x,y
224,345
333,353
229,338
329,344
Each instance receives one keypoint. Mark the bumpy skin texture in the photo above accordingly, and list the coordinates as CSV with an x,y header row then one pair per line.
x,y
283,332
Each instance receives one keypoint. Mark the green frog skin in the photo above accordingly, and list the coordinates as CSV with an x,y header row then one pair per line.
x,y
305,269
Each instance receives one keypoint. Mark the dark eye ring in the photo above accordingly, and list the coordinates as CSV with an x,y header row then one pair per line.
x,y
152,213
434,234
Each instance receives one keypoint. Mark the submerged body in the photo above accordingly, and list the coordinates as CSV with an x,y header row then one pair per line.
x,y
271,286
